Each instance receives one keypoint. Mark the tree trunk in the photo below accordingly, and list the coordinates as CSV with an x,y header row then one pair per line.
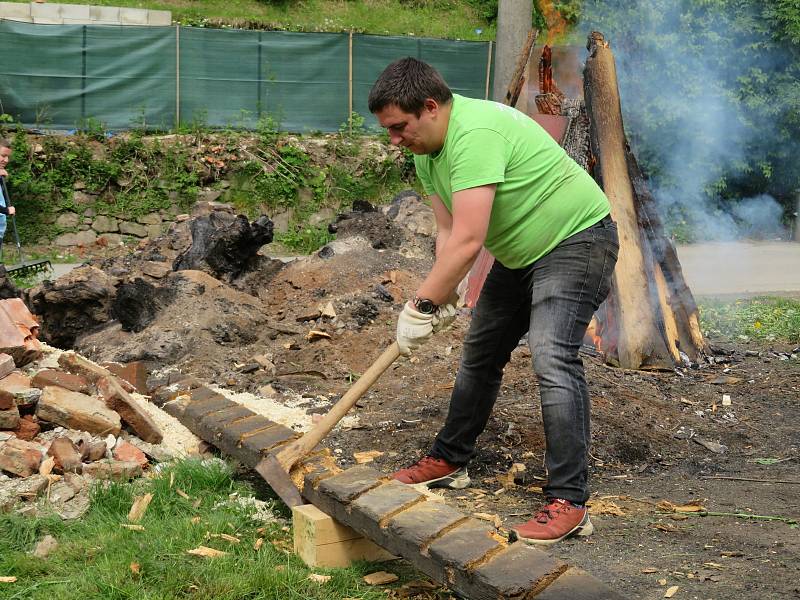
x,y
641,328
514,19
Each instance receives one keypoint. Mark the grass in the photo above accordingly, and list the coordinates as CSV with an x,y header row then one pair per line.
x,y
449,19
97,558
763,318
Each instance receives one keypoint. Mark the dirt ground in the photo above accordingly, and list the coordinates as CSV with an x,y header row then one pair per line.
x,y
658,437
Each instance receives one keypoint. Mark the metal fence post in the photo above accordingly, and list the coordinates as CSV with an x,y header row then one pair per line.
x,y
177,77
488,69
350,83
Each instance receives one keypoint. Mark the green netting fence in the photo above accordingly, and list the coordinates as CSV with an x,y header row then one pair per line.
x,y
122,77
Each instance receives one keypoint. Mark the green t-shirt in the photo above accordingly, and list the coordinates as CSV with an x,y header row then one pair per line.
x,y
543,196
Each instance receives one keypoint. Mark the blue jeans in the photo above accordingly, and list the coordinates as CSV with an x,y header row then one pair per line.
x,y
553,299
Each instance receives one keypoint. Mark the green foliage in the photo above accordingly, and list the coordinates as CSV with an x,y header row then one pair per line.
x,y
304,239
764,318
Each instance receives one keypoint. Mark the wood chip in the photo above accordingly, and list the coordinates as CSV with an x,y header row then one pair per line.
x,y
671,591
135,568
648,570
132,527
140,504
7,579
195,520
492,518
328,311
47,466
258,543
319,578
366,456
316,334
380,578
662,582
206,552
182,494
228,538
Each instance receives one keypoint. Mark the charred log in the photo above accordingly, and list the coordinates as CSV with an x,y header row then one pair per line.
x,y
7,287
73,305
137,304
223,245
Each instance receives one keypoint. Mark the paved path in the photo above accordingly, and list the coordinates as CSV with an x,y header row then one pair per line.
x,y
720,268
742,268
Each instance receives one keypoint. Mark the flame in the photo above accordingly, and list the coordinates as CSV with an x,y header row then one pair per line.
x,y
593,334
556,24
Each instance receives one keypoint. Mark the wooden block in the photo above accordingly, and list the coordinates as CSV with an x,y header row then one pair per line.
x,y
320,541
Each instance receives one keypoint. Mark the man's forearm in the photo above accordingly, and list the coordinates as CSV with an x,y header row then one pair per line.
x,y
453,261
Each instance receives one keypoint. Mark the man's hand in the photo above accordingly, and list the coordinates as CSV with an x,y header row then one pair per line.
x,y
446,313
12,210
3,172
413,329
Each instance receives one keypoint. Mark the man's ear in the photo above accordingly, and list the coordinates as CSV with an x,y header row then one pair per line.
x,y
431,106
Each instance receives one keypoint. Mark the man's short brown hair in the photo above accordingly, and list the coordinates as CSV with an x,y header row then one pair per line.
x,y
407,83
4,143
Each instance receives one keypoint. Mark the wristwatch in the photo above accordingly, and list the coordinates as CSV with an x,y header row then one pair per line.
x,y
423,305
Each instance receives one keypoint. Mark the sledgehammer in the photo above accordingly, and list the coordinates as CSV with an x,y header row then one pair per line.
x,y
275,467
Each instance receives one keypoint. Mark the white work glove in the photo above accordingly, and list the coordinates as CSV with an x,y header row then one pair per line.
x,y
413,329
446,313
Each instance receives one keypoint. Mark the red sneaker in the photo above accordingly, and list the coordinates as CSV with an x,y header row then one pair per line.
x,y
557,520
434,472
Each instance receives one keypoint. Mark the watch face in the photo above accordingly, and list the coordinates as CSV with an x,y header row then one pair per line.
x,y
426,307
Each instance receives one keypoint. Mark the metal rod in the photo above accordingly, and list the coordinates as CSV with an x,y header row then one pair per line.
x,y
488,70
83,77
177,77
350,83
258,79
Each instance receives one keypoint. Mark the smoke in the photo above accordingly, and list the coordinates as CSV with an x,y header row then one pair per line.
x,y
680,68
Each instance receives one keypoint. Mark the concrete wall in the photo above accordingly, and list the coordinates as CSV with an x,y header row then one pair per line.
x,y
82,14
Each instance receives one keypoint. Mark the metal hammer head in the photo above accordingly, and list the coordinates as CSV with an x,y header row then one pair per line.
x,y
278,479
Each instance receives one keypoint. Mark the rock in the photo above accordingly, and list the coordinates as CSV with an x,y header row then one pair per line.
x,y
97,450
75,508
127,452
45,546
60,492
20,457
113,469
77,411
73,305
6,364
27,429
120,401
149,219
68,220
31,487
155,451
66,454
321,216
68,381
19,386
208,195
89,213
9,418
7,400
110,239
19,331
105,224
134,229
82,198
75,363
281,220
134,373
153,231
156,269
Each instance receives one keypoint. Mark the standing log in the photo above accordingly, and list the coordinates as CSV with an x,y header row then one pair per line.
x,y
641,334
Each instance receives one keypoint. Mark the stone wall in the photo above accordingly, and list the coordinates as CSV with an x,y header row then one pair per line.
x,y
82,14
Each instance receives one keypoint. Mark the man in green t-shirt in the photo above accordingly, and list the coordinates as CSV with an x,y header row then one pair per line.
x,y
497,179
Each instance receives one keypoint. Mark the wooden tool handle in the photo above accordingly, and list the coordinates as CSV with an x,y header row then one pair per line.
x,y
301,446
